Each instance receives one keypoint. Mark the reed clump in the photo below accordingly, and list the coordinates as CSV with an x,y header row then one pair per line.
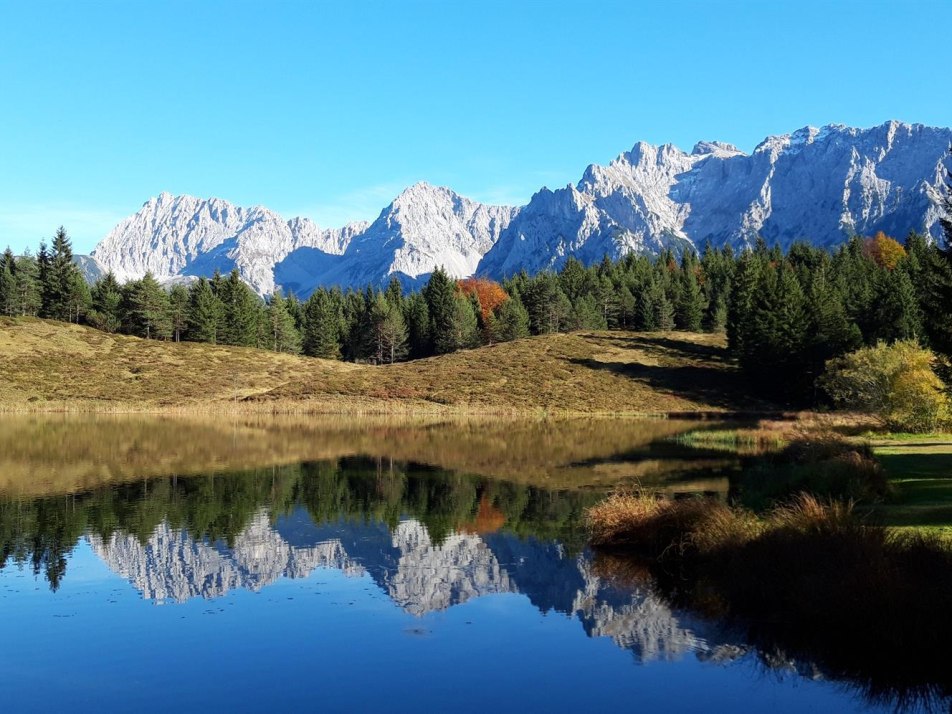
x,y
808,577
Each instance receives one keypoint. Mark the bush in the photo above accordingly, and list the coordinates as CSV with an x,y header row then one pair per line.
x,y
896,383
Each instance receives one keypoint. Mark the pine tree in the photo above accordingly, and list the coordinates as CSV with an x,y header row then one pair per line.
x,y
646,315
205,311
441,304
512,320
896,307
775,347
26,278
464,325
663,309
62,292
282,333
43,280
747,279
587,314
931,273
689,310
388,331
322,326
394,292
178,311
240,316
106,313
8,284
830,333
148,308
78,298
417,319
627,308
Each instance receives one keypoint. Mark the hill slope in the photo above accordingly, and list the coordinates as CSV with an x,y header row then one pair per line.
x,y
49,366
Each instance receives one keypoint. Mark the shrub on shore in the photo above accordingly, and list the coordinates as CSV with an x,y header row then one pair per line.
x,y
895,382
808,578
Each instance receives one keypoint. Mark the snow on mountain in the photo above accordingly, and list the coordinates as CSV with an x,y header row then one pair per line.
x,y
425,227
173,236
821,185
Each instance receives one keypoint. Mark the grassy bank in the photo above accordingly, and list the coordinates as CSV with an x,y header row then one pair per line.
x,y
51,366
919,469
808,579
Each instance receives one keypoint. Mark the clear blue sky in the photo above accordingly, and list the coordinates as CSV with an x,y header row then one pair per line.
x,y
328,109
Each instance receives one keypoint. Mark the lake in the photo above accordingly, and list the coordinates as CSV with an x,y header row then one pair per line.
x,y
194,564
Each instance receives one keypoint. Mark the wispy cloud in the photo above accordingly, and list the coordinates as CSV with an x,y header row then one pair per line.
x,y
22,226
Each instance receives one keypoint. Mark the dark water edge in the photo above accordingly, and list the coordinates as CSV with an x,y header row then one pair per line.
x,y
364,583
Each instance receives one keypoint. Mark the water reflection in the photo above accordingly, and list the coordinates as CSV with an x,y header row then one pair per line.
x,y
416,573
428,537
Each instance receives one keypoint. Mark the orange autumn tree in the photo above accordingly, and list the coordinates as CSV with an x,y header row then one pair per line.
x,y
490,296
884,251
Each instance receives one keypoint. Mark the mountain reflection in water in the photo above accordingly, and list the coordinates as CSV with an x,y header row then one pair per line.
x,y
429,540
417,574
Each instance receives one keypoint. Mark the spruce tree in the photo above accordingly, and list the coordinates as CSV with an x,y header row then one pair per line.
x,y
62,293
240,316
587,314
205,312
8,284
178,311
442,308
896,307
43,280
388,331
417,318
282,333
689,311
106,313
78,297
394,292
512,320
931,275
464,326
322,326
28,296
148,308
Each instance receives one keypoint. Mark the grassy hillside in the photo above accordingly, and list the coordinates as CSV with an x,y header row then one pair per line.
x,y
49,366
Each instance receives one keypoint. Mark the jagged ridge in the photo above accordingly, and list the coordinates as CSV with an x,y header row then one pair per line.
x,y
822,185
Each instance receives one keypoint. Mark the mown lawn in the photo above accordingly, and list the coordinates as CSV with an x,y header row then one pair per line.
x,y
920,470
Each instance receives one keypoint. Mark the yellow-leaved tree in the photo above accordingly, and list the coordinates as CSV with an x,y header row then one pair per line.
x,y
894,382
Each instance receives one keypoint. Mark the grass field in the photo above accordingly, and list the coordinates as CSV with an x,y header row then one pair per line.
x,y
51,366
920,470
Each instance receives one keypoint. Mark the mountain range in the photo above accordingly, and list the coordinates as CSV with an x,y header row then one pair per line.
x,y
417,574
820,185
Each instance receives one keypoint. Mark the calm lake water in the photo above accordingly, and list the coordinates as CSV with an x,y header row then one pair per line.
x,y
188,565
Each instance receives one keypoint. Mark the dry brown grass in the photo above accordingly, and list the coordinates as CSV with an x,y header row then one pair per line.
x,y
51,366
649,525
44,454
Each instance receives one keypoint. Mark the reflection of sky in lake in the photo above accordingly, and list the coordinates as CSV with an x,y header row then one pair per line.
x,y
383,620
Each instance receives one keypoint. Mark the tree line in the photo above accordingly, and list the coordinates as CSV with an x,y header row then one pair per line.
x,y
785,313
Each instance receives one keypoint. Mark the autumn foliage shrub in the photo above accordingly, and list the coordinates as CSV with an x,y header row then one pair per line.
x,y
896,383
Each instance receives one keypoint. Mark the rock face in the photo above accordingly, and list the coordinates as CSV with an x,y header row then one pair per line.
x,y
821,185
173,236
417,574
425,227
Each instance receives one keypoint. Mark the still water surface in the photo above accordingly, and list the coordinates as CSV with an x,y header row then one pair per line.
x,y
156,565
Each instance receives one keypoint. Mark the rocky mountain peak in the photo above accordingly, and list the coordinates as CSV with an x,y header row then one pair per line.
x,y
816,183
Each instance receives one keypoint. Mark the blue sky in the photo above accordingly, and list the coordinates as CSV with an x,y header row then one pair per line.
x,y
328,109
